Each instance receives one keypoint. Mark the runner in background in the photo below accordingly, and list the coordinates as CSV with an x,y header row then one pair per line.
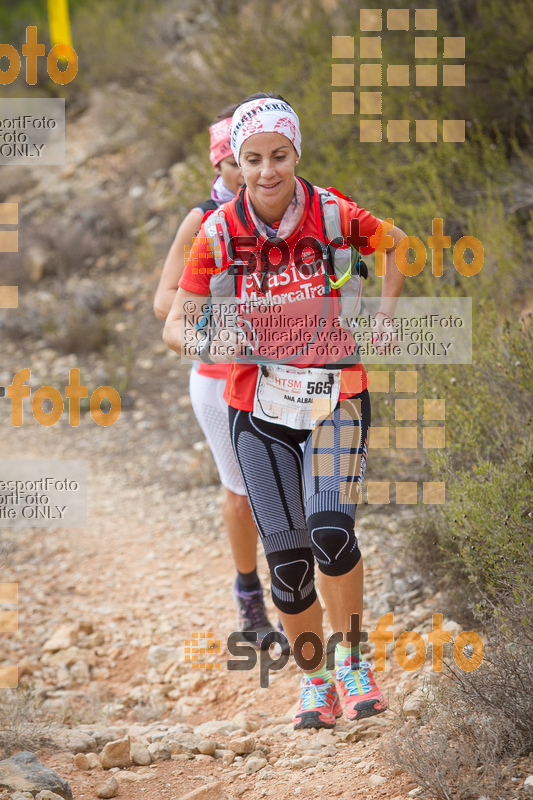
x,y
305,503
206,386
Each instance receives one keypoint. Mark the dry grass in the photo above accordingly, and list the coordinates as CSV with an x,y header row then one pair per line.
x,y
459,748
23,726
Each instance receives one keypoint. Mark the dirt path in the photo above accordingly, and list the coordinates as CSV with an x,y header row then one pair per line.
x,y
151,567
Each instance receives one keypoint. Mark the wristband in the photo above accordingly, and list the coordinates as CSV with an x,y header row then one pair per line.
x,y
385,315
202,351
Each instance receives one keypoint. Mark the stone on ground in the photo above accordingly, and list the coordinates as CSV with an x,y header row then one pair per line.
x,y
116,754
107,789
213,791
24,772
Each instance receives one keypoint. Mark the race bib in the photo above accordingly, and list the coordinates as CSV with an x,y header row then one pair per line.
x,y
284,395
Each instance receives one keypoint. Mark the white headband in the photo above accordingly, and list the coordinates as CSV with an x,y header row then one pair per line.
x,y
264,116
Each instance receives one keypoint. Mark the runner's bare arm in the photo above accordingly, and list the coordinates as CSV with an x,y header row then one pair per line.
x,y
391,288
175,264
393,280
180,332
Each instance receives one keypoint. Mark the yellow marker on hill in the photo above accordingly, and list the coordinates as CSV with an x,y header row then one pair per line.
x,y
59,22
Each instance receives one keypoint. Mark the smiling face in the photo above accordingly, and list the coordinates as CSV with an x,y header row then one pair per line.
x,y
231,174
268,161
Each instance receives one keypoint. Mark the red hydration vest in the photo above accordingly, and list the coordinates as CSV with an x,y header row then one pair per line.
x,y
301,326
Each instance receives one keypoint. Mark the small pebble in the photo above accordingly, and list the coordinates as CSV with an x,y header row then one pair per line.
x,y
81,761
107,789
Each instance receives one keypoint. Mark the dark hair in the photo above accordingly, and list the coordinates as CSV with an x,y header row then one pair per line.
x,y
260,95
226,113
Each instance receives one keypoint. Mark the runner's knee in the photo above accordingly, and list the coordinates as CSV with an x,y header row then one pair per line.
x,y
334,542
237,503
292,576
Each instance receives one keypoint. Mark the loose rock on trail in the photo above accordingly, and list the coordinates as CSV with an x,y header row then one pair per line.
x,y
104,613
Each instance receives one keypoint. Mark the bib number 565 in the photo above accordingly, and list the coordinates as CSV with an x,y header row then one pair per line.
x,y
319,387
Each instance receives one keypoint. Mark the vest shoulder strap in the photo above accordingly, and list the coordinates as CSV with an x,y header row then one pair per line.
x,y
344,266
222,283
329,204
208,205
217,231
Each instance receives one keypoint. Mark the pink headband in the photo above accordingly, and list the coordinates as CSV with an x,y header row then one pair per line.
x,y
219,145
264,116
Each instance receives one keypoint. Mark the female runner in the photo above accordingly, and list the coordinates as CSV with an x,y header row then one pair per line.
x,y
304,505
206,387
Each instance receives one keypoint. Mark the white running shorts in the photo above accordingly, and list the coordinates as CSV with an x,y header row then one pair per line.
x,y
211,411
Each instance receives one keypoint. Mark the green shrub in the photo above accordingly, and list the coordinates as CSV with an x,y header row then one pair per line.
x,y
465,744
479,546
115,41
15,15
79,331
